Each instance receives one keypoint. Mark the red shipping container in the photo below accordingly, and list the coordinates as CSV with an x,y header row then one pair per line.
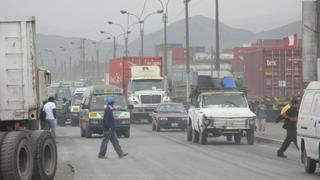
x,y
120,68
273,72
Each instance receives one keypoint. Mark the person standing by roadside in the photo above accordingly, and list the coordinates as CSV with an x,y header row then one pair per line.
x,y
261,117
43,116
290,124
50,109
109,132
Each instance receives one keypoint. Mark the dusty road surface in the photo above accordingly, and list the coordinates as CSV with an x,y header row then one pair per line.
x,y
167,155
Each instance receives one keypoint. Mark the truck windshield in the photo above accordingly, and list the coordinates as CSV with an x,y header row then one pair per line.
x,y
77,99
150,84
63,92
230,100
99,102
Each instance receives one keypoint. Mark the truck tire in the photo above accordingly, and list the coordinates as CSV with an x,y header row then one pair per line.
x,y
309,164
17,156
82,132
195,136
250,136
189,133
126,133
45,155
237,138
229,138
2,136
88,132
203,137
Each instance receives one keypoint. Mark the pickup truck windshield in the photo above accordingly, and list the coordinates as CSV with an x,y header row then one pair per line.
x,y
99,102
150,84
230,100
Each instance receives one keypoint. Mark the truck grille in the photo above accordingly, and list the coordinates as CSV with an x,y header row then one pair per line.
x,y
150,99
230,123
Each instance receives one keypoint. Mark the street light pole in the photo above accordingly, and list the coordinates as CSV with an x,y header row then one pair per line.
x,y
187,50
165,48
217,40
126,52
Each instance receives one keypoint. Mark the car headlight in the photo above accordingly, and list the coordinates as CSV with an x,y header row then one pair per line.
x,y
163,118
206,121
166,99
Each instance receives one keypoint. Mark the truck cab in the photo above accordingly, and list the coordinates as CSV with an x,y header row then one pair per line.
x,y
146,91
220,112
92,110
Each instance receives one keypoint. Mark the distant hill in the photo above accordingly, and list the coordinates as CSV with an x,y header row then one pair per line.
x,y
281,32
202,33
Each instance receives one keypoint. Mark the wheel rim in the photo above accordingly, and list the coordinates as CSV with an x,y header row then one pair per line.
x,y
24,161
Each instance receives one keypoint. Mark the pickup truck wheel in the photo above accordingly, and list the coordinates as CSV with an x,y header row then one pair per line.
x,y
195,136
309,164
237,138
229,138
189,133
45,155
16,159
203,137
250,136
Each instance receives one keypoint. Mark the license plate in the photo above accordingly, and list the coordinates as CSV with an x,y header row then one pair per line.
x,y
174,124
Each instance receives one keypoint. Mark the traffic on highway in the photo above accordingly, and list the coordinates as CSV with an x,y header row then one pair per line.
x,y
188,97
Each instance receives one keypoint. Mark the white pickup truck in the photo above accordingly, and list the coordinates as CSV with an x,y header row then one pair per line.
x,y
223,112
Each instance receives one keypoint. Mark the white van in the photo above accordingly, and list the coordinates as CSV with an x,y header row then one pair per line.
x,y
308,127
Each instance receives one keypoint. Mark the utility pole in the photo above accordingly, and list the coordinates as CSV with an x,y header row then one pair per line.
x,y
187,49
211,63
70,67
217,40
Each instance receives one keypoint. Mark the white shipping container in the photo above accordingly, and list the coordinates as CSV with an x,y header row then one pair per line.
x,y
18,70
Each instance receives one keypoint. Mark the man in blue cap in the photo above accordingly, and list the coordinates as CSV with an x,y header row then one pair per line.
x,y
109,132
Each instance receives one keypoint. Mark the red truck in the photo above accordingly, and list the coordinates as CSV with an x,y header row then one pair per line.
x,y
120,68
142,80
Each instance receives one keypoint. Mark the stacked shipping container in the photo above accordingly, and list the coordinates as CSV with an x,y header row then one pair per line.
x,y
275,72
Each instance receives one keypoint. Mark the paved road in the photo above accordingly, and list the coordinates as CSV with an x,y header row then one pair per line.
x,y
167,155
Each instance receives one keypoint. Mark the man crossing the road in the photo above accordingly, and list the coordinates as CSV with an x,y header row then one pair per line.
x,y
109,132
290,124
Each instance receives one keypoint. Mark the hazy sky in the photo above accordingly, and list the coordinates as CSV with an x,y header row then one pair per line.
x,y
84,18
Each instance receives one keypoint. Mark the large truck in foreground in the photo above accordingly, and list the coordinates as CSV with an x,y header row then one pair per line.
x,y
142,80
25,151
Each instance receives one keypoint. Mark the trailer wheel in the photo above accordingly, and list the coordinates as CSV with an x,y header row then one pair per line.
x,y
17,156
237,138
45,155
2,136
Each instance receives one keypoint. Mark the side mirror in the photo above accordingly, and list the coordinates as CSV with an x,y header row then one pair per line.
x,y
130,106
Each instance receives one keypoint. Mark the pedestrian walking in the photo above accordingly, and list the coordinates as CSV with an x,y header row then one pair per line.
x,y
50,109
290,124
43,116
109,132
261,117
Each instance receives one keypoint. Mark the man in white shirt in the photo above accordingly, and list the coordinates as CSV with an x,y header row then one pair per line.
x,y
50,109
